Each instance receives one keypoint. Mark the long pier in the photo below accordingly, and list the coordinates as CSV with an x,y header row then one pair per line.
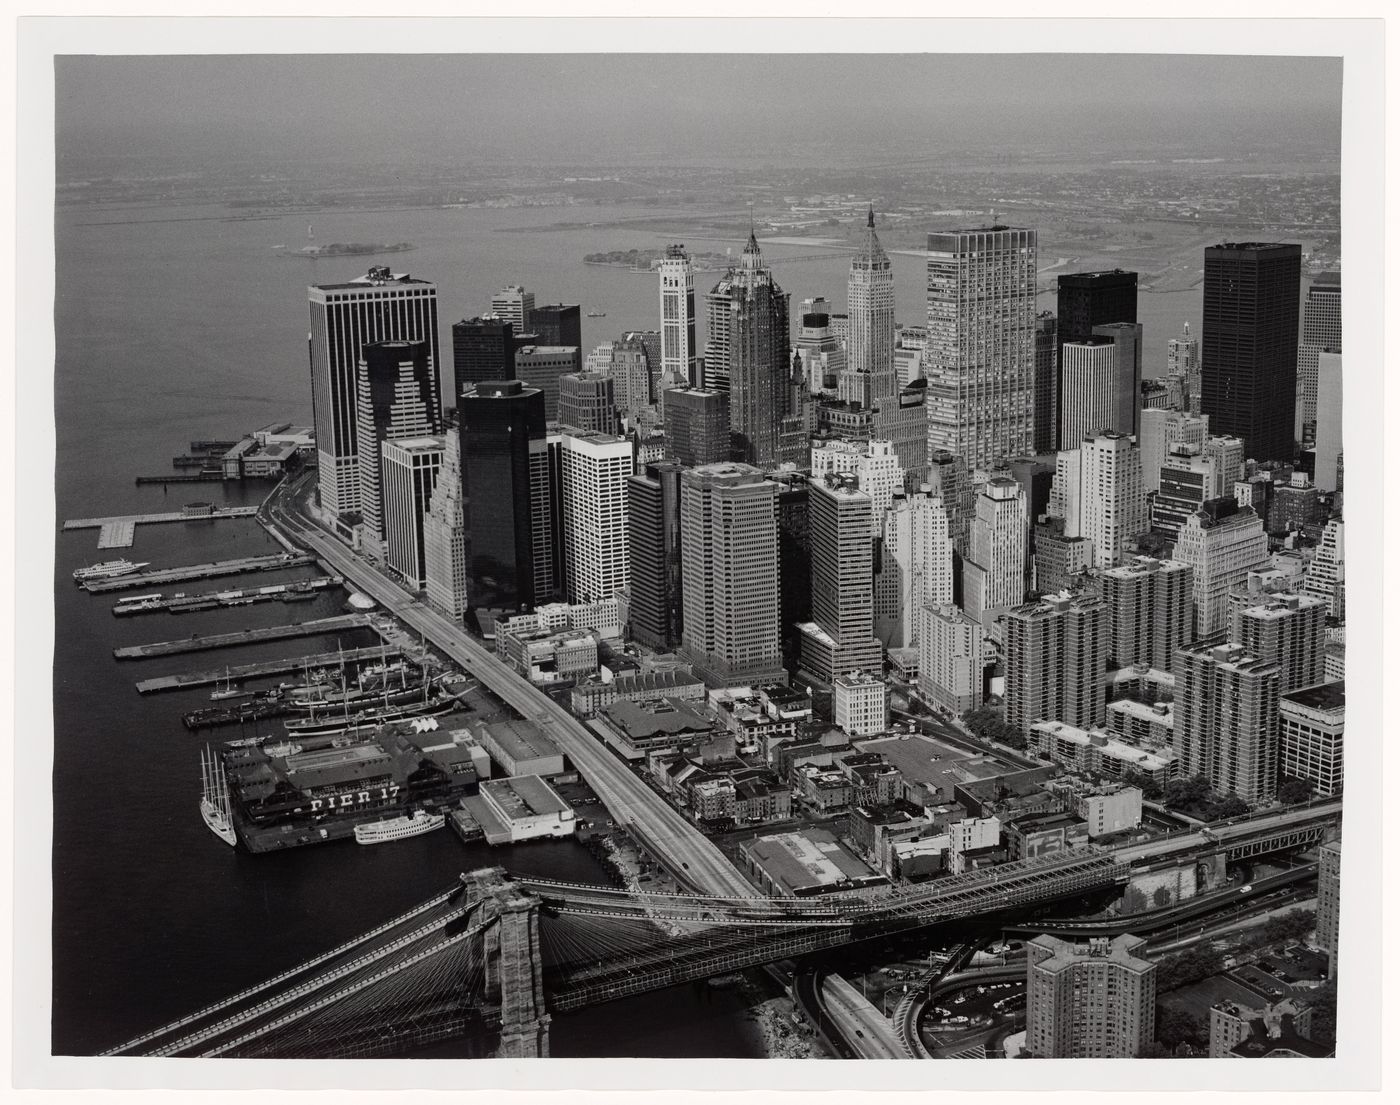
x,y
199,571
236,673
196,643
118,531
208,600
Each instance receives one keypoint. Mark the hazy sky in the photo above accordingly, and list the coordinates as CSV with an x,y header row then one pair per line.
x,y
572,105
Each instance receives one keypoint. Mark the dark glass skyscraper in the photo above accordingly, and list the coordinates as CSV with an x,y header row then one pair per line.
x,y
654,553
1249,344
482,349
1086,300
505,488
1044,437
556,324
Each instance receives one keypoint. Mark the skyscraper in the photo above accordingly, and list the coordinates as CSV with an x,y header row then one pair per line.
x,y
747,353
1055,653
444,536
556,324
379,306
654,554
595,472
1287,630
506,496
1087,389
1327,434
729,574
1127,373
1226,719
794,559
1249,344
841,635
396,397
483,349
1322,330
951,482
697,426
680,350
540,366
950,659
1089,1001
514,304
1329,901
1045,433
870,311
1222,543
1089,299
1160,430
1184,364
822,355
1147,609
980,355
586,402
874,465
916,566
1098,492
1327,572
1184,483
411,468
631,372
994,569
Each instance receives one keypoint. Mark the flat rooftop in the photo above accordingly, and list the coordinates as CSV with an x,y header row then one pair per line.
x,y
925,760
809,860
525,796
520,740
1323,696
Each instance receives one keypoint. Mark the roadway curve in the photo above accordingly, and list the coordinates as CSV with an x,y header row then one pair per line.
x,y
626,796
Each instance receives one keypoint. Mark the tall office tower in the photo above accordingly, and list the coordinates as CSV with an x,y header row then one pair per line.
x,y
411,467
444,536
396,396
870,307
902,422
1059,557
820,350
994,569
1286,630
1327,571
600,360
729,574
909,342
1055,653
556,324
1045,434
1327,434
1329,901
916,566
1098,492
586,402
950,480
595,471
680,351
631,373
980,357
514,304
1089,299
1249,344
697,426
873,463
950,659
841,635
379,306
747,354
483,349
1322,330
1159,431
506,496
1127,373
799,421
1226,725
1184,482
1086,390
794,559
1227,454
1222,542
1147,606
654,554
1090,1001
540,366
1184,364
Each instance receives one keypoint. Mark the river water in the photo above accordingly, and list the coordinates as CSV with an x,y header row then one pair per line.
x,y
175,323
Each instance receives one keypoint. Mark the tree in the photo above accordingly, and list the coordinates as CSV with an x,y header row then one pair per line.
x,y
1150,788
1293,791
1162,897
1185,793
1229,806
1324,1015
1176,1026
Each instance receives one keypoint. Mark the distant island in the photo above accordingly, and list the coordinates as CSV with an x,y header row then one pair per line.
x,y
350,249
645,259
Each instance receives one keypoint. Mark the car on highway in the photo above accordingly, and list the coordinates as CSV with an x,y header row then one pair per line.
x,y
1246,888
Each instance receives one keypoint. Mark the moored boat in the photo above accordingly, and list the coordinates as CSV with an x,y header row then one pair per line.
x,y
108,569
398,828
214,804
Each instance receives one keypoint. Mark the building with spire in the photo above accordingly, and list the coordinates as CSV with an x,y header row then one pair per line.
x,y
870,315
747,355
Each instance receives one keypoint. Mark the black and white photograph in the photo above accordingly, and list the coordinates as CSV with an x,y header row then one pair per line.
x,y
792,542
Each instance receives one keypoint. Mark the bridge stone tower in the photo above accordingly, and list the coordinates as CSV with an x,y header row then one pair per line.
x,y
511,946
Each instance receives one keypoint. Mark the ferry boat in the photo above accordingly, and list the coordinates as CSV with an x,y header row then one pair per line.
x,y
108,569
398,828
214,804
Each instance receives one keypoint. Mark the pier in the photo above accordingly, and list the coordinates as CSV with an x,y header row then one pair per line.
x,y
244,637
237,673
181,603
118,532
199,571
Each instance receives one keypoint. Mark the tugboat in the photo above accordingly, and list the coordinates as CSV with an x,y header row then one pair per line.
x,y
214,804
108,569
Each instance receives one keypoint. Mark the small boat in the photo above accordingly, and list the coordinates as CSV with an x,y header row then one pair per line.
x,y
214,804
228,690
398,828
108,569
596,313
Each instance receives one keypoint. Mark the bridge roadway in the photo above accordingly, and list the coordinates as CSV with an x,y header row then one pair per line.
x,y
626,796
867,1031
1218,837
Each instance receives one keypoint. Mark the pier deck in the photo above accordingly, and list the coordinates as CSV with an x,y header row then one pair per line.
x,y
199,571
243,637
239,672
118,531
116,535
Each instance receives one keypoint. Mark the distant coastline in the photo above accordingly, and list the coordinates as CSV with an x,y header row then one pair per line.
x,y
644,259
349,249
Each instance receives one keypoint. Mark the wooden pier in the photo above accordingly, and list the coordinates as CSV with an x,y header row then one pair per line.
x,y
207,600
239,672
240,566
119,531
196,643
